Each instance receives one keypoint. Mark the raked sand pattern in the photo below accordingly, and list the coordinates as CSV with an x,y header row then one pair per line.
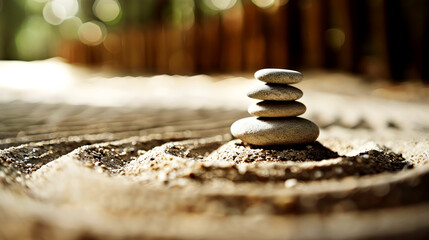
x,y
82,172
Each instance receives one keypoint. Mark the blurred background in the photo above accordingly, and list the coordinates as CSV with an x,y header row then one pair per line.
x,y
373,38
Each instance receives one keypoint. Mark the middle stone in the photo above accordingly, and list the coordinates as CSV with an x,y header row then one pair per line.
x,y
275,92
277,109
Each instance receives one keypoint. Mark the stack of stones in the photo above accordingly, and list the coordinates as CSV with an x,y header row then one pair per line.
x,y
276,122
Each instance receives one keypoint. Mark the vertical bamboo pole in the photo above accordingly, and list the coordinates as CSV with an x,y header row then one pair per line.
x,y
313,26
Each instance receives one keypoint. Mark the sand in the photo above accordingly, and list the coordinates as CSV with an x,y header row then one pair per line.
x,y
88,172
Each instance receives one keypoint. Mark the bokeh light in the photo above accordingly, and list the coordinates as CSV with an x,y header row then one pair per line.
x,y
71,7
220,5
107,10
264,3
41,35
92,33
335,38
56,11
237,35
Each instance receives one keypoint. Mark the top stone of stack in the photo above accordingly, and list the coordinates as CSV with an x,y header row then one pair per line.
x,y
280,76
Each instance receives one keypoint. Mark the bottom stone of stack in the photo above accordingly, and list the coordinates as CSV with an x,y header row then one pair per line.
x,y
275,131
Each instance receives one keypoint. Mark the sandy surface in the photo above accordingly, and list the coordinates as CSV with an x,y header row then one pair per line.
x,y
152,157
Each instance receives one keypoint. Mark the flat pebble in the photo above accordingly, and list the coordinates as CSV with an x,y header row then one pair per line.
x,y
281,76
275,131
277,109
275,92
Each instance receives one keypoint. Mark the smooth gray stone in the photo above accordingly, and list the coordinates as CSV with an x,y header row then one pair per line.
x,y
275,92
277,109
281,76
275,131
